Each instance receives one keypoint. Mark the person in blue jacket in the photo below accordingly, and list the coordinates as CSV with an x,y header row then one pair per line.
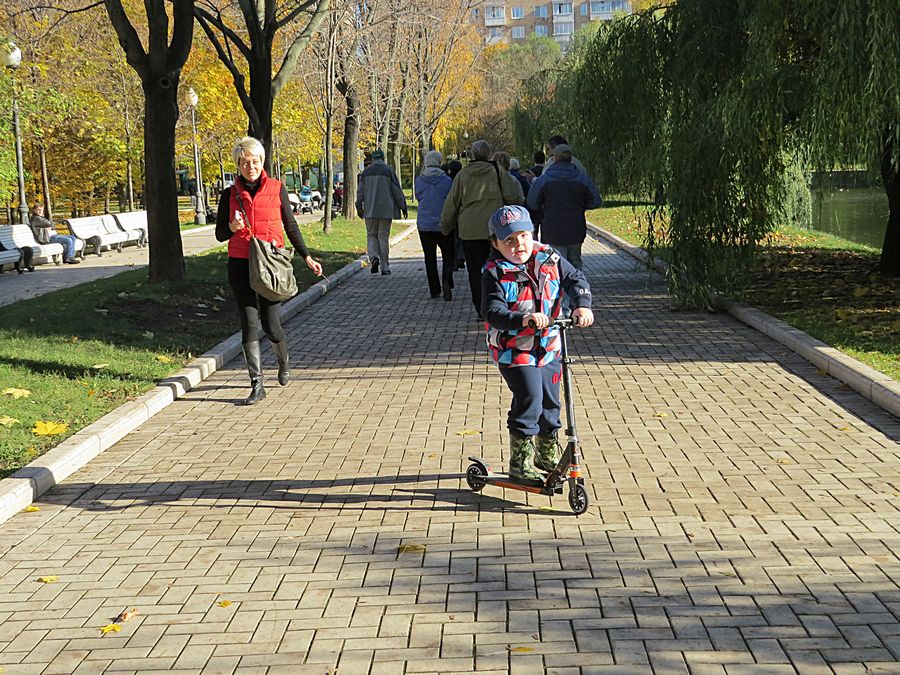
x,y
560,196
432,187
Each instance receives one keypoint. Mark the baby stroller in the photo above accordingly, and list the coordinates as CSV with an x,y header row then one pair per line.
x,y
302,203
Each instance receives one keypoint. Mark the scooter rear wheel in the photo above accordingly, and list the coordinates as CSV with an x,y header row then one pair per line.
x,y
578,499
474,477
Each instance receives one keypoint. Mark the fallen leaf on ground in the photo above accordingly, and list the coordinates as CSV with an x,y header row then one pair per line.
x,y
149,334
784,461
102,311
432,456
844,429
31,508
661,415
8,421
126,614
47,579
110,628
521,649
162,358
16,393
100,366
223,603
42,428
411,548
468,432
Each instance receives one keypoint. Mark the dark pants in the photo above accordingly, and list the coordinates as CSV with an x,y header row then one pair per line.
x,y
535,403
252,307
431,242
476,252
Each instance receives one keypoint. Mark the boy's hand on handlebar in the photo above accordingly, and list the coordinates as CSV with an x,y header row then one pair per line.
x,y
583,317
536,320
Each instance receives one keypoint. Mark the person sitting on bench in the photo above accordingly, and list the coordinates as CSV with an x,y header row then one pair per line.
x,y
45,233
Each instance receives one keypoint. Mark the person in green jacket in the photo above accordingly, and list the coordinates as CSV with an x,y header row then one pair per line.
x,y
478,191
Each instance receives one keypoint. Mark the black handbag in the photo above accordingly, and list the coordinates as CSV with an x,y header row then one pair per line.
x,y
271,271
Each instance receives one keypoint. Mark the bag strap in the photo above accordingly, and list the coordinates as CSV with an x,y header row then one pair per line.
x,y
240,202
500,183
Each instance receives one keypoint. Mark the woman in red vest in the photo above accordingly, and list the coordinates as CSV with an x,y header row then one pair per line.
x,y
259,205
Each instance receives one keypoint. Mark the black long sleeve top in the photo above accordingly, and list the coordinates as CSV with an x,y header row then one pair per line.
x,y
223,218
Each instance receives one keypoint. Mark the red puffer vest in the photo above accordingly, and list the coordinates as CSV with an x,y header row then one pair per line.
x,y
263,215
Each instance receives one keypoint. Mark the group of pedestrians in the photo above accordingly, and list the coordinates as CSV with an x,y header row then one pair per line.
x,y
457,209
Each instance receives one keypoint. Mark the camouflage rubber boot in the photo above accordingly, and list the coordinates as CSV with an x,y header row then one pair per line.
x,y
546,452
521,451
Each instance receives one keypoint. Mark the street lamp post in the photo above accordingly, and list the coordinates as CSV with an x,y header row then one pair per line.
x,y
200,211
12,57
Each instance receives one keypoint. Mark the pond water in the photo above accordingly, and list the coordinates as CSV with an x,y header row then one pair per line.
x,y
857,214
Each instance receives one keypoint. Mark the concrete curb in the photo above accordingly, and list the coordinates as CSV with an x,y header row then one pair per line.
x,y
30,482
874,386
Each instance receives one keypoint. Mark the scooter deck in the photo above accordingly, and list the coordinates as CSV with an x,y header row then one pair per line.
x,y
505,480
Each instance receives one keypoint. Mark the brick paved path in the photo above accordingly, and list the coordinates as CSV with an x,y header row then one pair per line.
x,y
744,511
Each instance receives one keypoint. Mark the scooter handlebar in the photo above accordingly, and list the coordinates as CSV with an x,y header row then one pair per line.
x,y
560,322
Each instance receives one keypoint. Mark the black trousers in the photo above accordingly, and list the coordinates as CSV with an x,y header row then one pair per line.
x,y
253,308
431,242
476,252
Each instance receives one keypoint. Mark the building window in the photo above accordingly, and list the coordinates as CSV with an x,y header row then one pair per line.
x,y
494,12
541,11
517,12
540,31
496,32
562,8
584,9
518,32
475,13
563,29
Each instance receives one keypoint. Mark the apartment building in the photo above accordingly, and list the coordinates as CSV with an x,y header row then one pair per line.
x,y
512,20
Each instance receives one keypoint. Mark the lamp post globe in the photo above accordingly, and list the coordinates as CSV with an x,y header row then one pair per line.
x,y
199,208
11,57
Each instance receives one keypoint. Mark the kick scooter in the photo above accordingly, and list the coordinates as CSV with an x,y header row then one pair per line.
x,y
568,469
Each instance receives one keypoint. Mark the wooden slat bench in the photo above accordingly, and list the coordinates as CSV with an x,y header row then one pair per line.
x,y
10,257
19,236
99,232
134,221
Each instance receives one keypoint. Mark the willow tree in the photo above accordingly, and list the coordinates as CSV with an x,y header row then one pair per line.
x,y
705,100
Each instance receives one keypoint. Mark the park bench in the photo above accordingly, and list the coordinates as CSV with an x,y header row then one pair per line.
x,y
134,221
20,236
10,257
100,232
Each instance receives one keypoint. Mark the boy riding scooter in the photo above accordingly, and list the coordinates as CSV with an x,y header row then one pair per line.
x,y
522,291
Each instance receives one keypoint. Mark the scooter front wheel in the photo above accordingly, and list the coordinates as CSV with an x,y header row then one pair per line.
x,y
475,477
578,499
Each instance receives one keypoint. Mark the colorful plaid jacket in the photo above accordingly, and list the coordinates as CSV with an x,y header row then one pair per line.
x,y
510,291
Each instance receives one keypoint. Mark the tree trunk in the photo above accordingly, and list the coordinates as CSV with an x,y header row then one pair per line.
x,y
351,141
160,116
45,181
263,100
329,180
890,175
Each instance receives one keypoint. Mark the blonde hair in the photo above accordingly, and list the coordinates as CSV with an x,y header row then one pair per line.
x,y
248,146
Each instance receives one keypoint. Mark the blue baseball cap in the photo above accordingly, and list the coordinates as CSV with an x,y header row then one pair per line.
x,y
509,219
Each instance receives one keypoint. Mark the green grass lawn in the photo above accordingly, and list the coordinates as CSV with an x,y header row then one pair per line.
x,y
82,351
824,285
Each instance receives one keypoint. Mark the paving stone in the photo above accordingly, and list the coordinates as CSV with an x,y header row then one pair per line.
x,y
741,518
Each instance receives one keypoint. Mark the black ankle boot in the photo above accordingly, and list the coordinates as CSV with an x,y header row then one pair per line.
x,y
281,353
254,367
